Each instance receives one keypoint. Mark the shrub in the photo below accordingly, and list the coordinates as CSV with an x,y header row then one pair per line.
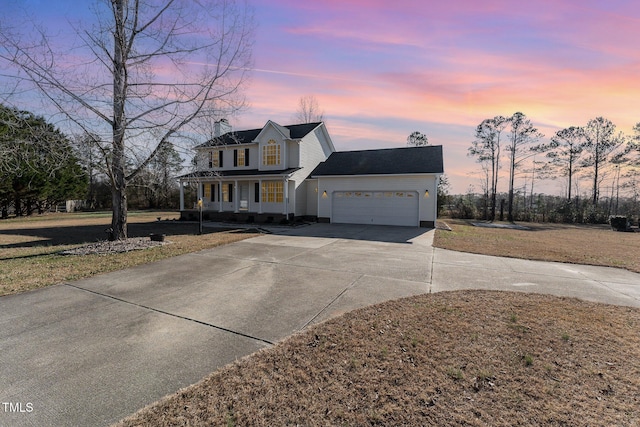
x,y
596,216
619,223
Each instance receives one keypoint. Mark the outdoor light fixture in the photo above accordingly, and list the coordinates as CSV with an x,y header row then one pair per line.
x,y
324,194
426,194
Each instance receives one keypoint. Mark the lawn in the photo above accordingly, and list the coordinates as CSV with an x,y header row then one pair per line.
x,y
578,244
30,247
466,358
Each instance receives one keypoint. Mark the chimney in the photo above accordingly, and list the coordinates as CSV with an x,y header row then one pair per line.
x,y
220,127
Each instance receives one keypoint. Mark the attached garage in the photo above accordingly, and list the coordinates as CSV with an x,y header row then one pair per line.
x,y
375,207
395,186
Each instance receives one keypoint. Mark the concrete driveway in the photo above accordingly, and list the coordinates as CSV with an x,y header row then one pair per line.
x,y
93,351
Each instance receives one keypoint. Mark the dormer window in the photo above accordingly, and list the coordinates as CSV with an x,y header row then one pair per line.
x,y
271,153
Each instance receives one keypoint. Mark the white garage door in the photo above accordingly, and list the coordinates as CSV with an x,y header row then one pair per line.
x,y
375,207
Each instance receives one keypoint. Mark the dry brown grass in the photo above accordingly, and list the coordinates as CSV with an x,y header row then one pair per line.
x,y
29,248
578,244
471,358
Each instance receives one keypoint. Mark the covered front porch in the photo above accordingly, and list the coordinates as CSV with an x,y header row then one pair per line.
x,y
243,198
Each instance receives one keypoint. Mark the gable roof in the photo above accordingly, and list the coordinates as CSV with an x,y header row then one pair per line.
x,y
388,161
298,131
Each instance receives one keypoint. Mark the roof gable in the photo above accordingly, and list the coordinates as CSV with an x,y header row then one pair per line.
x,y
389,161
280,129
297,131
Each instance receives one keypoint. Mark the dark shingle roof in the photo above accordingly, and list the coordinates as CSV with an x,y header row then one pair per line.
x,y
247,136
237,173
390,161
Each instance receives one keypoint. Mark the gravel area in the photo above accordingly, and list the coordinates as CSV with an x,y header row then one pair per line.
x,y
108,247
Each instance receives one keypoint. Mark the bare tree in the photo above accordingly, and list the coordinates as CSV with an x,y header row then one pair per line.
x,y
309,110
486,147
143,66
564,151
633,148
600,142
521,135
417,139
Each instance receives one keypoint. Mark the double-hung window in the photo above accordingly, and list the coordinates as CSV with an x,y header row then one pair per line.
x,y
271,153
215,159
241,157
272,191
227,192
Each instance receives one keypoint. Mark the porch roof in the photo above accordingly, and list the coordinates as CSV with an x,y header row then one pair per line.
x,y
244,173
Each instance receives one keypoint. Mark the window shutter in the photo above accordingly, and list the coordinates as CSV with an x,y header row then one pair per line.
x,y
213,192
235,158
220,158
256,192
246,157
231,192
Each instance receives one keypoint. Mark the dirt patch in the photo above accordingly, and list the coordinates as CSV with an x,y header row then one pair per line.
x,y
457,358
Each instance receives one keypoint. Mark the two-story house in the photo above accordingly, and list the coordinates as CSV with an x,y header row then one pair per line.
x,y
285,172
259,174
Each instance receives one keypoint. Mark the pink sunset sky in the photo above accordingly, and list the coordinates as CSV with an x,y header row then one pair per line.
x,y
382,69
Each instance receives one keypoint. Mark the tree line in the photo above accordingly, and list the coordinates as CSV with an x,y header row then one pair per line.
x,y
41,168
38,166
596,151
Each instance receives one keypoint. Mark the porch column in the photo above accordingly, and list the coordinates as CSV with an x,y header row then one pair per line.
x,y
181,195
220,196
286,197
236,204
260,196
200,193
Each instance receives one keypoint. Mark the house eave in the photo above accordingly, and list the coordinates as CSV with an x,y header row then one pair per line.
x,y
377,175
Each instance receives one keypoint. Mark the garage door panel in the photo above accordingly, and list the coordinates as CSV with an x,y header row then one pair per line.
x,y
375,207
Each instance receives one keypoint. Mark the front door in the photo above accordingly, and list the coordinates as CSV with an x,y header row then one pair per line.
x,y
244,197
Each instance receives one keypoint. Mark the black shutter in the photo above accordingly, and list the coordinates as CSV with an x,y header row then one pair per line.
x,y
220,158
256,192
213,192
231,192
246,157
235,158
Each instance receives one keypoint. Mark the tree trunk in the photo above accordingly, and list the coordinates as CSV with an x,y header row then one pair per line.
x,y
511,182
570,175
596,166
119,210
119,183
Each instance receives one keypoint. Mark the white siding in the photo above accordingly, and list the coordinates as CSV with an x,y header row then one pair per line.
x,y
312,197
227,157
311,151
293,154
300,191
